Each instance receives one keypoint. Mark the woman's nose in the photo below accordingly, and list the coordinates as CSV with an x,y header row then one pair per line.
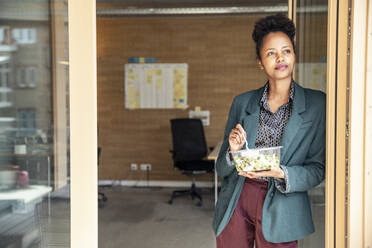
x,y
279,58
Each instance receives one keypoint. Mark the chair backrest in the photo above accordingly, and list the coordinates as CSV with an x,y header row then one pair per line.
x,y
188,139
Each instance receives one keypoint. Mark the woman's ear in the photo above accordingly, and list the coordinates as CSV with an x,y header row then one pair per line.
x,y
260,64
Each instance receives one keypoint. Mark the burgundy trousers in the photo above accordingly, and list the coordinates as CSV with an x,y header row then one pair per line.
x,y
245,226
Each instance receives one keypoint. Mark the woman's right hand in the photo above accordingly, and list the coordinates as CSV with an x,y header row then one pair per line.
x,y
236,138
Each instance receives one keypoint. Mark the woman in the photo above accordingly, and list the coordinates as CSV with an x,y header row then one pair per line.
x,y
271,208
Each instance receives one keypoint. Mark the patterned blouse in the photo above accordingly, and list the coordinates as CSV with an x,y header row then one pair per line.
x,y
271,128
271,125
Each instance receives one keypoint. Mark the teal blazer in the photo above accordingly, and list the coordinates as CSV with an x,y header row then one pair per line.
x,y
285,216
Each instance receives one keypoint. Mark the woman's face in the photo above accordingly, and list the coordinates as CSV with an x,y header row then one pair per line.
x,y
277,56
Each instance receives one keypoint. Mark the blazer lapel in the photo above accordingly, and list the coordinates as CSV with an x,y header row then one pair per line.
x,y
294,122
250,121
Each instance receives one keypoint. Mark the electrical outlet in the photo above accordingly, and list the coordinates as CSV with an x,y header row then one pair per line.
x,y
133,166
145,167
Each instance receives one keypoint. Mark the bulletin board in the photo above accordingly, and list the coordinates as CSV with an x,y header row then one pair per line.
x,y
155,86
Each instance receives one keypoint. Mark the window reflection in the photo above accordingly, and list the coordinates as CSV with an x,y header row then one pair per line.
x,y
311,72
28,124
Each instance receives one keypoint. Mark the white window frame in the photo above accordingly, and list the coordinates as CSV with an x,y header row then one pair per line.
x,y
31,73
26,113
27,77
4,76
24,36
1,34
21,77
4,86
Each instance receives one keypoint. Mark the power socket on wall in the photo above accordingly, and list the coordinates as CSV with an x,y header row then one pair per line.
x,y
133,167
145,167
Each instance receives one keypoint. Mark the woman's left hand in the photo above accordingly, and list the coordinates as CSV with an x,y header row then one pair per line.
x,y
275,172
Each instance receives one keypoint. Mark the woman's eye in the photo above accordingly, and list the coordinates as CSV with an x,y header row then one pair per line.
x,y
270,53
287,51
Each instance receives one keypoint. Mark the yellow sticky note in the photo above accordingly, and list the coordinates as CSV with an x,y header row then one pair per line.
x,y
159,83
149,76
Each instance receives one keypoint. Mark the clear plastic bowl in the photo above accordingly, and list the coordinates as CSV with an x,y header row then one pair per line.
x,y
259,159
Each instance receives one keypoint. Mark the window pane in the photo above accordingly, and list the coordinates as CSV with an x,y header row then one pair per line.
x,y
1,35
311,72
222,63
31,77
22,77
34,136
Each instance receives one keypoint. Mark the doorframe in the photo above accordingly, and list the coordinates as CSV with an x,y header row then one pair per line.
x,y
348,220
360,159
83,122
337,45
337,109
349,67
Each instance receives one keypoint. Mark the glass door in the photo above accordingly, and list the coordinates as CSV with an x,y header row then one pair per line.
x,y
34,124
47,123
311,19
323,58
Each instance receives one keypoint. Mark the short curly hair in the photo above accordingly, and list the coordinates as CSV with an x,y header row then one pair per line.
x,y
269,24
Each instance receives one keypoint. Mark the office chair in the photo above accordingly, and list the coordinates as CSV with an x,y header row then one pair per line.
x,y
102,198
189,151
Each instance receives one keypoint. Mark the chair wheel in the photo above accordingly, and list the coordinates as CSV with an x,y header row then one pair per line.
x,y
104,199
170,202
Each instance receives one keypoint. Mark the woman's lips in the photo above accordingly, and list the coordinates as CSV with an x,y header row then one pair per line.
x,y
281,67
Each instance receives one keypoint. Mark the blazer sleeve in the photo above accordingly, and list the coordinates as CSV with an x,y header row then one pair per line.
x,y
224,165
312,172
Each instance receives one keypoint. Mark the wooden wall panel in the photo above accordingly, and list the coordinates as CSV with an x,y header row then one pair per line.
x,y
221,58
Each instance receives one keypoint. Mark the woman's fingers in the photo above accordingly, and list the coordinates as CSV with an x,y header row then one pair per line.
x,y
236,135
248,174
257,174
241,130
